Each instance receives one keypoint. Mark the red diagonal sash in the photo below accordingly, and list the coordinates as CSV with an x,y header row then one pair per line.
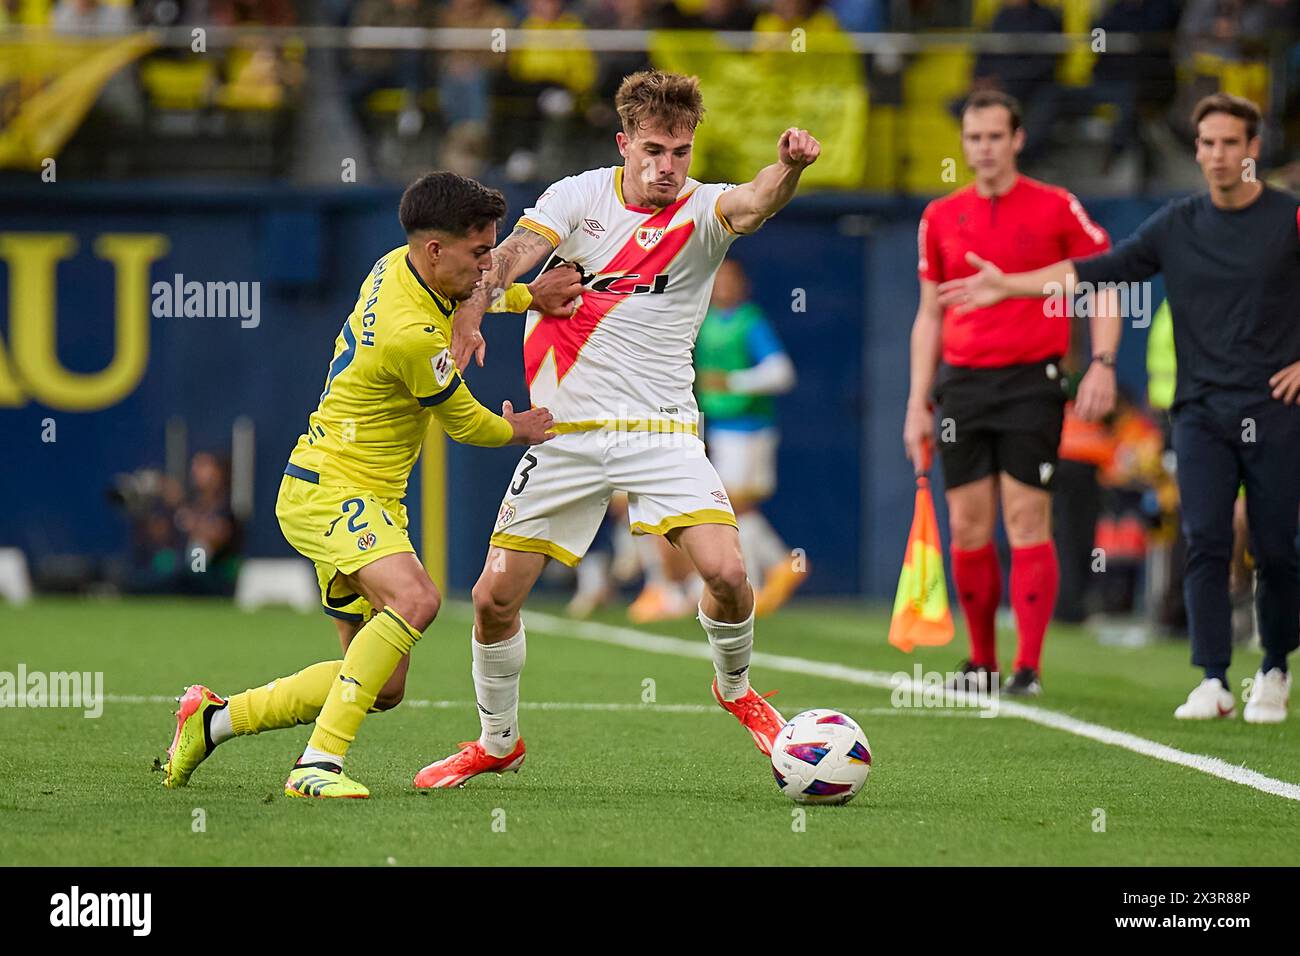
x,y
637,266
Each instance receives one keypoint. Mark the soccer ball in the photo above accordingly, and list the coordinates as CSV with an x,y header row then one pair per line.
x,y
821,756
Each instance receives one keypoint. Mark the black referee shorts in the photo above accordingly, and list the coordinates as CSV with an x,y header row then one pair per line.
x,y
1005,419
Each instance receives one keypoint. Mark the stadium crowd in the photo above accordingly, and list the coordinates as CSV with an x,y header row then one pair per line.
x,y
526,114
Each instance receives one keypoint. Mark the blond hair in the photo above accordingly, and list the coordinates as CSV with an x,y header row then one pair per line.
x,y
654,98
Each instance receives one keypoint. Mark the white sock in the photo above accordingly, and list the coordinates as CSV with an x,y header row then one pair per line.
x,y
626,561
593,573
496,685
732,645
312,755
220,728
769,549
749,547
652,562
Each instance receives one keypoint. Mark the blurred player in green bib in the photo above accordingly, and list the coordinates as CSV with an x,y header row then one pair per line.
x,y
740,366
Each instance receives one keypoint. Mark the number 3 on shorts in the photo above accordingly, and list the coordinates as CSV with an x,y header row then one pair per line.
x,y
518,487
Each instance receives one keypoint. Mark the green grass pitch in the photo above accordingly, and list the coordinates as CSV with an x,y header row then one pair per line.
x,y
676,782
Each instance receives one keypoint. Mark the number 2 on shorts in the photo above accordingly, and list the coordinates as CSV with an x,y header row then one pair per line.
x,y
353,526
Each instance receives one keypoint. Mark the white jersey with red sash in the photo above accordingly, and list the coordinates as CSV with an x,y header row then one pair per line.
x,y
648,275
617,375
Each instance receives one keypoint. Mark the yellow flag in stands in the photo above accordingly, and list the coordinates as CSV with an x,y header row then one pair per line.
x,y
48,87
921,615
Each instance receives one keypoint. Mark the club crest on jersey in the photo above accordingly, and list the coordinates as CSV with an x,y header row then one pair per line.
x,y
366,541
505,516
647,237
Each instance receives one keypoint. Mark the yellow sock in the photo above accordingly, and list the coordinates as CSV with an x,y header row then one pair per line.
x,y
371,659
286,702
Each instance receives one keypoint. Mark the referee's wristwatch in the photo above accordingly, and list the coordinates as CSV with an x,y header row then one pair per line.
x,y
1105,358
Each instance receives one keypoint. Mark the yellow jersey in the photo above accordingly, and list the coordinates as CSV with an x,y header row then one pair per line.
x,y
391,373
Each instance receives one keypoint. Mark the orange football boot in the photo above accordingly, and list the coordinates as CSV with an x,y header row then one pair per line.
x,y
761,719
470,761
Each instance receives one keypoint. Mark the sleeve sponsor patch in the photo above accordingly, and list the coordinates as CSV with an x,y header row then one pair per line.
x,y
443,367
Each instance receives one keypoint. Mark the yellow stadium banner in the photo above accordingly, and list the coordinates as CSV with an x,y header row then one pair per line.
x,y
921,615
808,76
47,86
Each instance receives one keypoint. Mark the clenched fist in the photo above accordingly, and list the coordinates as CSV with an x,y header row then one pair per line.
x,y
798,148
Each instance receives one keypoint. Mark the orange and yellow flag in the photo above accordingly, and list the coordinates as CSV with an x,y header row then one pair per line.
x,y
921,615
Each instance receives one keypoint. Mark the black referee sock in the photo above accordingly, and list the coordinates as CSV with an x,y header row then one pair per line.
x,y
1271,661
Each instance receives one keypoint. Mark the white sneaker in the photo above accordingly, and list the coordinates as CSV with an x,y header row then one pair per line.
x,y
1267,703
1209,700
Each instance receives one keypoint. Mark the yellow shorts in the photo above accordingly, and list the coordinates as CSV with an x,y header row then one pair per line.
x,y
340,530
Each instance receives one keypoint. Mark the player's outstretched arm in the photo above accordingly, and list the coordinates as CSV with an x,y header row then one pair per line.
x,y
747,207
470,423
522,250
420,358
990,285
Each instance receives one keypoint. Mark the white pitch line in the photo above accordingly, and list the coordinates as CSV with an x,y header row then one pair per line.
x,y
659,644
574,705
470,705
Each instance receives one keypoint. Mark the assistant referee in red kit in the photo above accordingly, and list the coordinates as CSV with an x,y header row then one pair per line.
x,y
1231,262
996,376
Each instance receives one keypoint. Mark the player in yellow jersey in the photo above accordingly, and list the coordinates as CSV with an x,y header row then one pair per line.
x,y
340,501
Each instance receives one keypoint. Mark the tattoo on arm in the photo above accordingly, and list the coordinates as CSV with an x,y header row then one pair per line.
x,y
519,253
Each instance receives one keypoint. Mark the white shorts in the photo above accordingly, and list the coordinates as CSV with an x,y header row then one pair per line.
x,y
745,460
557,497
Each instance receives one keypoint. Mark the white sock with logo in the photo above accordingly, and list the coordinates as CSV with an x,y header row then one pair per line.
x,y
732,645
496,685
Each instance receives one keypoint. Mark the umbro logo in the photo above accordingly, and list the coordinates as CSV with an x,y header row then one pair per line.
x,y
592,228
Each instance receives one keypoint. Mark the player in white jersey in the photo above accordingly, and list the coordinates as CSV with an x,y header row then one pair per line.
x,y
617,374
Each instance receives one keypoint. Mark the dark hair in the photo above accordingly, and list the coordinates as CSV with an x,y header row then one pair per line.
x,y
982,99
447,202
1237,106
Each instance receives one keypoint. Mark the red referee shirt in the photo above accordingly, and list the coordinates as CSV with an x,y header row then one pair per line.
x,y
1030,226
